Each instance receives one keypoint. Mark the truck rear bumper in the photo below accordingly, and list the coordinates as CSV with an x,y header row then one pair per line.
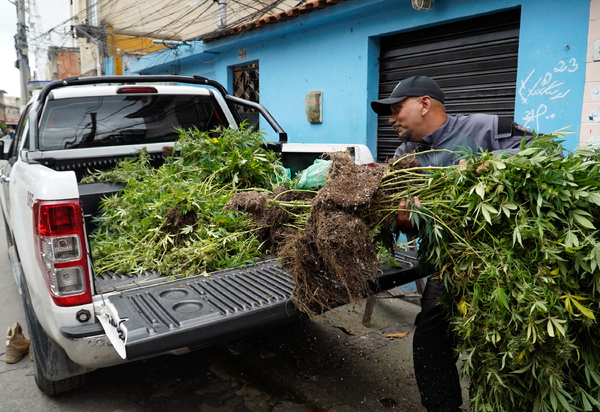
x,y
200,311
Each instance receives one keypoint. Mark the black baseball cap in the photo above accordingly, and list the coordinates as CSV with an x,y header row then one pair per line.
x,y
411,86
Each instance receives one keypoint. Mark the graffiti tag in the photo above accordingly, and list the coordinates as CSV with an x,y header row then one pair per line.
x,y
544,86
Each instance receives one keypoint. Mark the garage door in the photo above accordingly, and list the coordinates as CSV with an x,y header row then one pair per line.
x,y
474,61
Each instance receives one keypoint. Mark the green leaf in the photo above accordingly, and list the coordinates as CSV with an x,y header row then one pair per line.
x,y
486,213
585,311
558,325
517,236
583,221
594,197
571,239
501,297
550,329
524,368
587,406
553,399
487,209
507,207
480,189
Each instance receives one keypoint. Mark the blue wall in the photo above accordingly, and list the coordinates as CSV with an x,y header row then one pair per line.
x,y
335,50
551,72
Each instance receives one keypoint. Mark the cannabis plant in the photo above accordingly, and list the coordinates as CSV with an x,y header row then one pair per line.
x,y
517,244
172,219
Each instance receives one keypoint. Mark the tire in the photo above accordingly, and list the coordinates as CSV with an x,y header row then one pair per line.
x,y
46,353
52,388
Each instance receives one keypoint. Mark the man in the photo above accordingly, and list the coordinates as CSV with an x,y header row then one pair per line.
x,y
417,113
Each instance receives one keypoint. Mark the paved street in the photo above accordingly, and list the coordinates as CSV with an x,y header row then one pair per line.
x,y
333,363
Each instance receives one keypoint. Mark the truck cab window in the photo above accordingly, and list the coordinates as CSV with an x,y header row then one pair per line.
x,y
124,120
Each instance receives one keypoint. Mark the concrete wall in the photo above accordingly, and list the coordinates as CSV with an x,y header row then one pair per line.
x,y
336,49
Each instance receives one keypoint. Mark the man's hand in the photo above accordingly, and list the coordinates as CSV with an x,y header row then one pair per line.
x,y
463,166
404,211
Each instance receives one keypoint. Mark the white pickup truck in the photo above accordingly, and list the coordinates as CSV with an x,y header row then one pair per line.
x,y
79,321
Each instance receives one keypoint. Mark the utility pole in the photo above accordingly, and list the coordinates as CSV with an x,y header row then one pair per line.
x,y
222,13
22,50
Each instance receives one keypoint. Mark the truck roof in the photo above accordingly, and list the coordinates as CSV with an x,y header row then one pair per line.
x,y
106,90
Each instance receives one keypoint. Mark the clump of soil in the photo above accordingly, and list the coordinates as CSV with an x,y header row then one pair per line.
x,y
271,219
252,202
167,151
403,163
176,219
333,259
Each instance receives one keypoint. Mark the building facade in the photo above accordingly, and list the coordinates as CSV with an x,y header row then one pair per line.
x,y
533,61
10,109
63,62
110,34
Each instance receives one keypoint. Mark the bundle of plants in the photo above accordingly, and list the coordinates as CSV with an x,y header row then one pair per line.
x,y
333,239
173,219
332,258
517,245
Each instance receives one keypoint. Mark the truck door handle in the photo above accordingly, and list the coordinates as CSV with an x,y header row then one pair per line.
x,y
4,179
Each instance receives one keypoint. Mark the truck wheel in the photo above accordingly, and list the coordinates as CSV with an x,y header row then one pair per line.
x,y
52,388
44,349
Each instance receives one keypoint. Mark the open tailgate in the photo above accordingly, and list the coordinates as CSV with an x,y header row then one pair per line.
x,y
200,311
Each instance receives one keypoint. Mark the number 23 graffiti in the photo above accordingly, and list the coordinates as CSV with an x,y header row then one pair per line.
x,y
544,86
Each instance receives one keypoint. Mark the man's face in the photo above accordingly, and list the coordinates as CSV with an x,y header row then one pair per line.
x,y
406,115
403,134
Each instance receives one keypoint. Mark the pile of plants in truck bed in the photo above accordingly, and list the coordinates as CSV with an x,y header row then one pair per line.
x,y
173,219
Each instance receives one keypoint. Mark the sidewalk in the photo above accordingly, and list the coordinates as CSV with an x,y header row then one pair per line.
x,y
337,364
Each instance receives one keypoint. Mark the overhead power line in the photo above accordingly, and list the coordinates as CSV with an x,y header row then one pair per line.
x,y
175,18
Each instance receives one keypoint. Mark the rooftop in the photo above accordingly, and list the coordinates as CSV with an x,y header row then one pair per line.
x,y
269,20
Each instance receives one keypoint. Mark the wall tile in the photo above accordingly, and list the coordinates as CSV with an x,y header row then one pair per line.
x,y
595,10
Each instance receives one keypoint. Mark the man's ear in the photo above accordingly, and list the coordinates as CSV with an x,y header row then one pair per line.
x,y
427,103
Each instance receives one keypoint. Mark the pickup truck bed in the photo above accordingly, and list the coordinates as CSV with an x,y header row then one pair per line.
x,y
200,311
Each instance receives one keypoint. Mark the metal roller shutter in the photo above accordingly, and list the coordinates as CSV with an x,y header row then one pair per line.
x,y
474,61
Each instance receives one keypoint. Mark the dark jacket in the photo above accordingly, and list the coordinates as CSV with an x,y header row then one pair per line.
x,y
477,132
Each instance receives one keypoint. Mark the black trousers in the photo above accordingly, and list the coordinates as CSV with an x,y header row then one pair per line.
x,y
434,355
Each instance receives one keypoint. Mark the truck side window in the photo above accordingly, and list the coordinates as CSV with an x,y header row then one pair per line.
x,y
22,133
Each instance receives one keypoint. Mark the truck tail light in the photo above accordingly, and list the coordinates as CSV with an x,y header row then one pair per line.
x,y
61,251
